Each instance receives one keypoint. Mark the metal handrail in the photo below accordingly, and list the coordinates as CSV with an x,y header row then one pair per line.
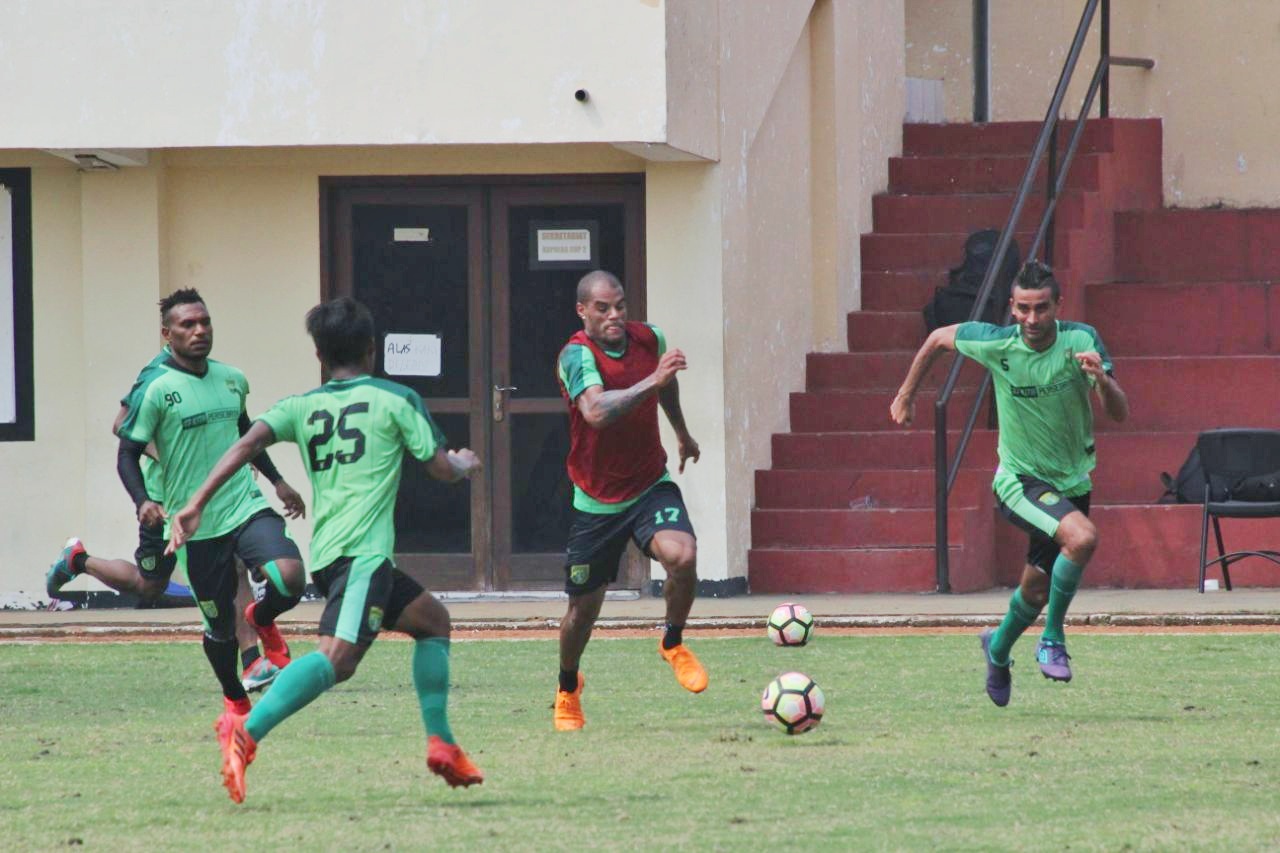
x,y
945,474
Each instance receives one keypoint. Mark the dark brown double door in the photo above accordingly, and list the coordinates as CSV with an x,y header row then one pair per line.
x,y
487,274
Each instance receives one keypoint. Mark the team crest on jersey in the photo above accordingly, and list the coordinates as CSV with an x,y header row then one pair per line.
x,y
578,574
1049,498
210,609
375,618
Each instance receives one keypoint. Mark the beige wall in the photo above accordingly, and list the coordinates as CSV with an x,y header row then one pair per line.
x,y
44,480
242,225
684,271
1212,84
752,260
154,74
800,157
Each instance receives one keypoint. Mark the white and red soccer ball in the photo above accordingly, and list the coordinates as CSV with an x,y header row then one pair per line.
x,y
790,624
794,702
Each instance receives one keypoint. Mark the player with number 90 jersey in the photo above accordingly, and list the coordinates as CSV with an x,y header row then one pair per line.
x,y
352,434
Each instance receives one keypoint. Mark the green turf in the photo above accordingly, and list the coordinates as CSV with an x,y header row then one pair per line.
x,y
1161,742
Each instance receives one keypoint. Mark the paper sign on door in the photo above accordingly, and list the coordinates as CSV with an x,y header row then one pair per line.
x,y
411,355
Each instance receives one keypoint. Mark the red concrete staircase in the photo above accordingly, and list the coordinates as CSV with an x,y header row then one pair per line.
x,y
1182,299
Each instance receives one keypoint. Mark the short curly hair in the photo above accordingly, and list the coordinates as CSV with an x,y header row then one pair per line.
x,y
185,296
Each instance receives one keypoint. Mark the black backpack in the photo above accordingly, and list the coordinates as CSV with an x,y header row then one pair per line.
x,y
954,303
1188,486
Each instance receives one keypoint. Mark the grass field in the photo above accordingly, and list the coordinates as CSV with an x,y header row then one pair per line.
x,y
1161,742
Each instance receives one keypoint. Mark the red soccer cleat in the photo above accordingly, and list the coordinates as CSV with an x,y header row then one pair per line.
x,y
238,752
449,762
273,644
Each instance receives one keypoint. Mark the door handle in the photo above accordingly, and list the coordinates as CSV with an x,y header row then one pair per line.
x,y
500,400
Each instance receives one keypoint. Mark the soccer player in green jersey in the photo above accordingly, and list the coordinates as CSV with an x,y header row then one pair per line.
x,y
352,432
192,408
1042,369
147,576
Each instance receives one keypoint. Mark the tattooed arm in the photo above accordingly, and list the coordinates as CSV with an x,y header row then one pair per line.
x,y
600,407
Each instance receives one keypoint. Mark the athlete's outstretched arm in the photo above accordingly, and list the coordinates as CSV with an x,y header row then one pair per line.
x,y
289,497
450,466
903,407
669,400
186,521
1114,400
600,407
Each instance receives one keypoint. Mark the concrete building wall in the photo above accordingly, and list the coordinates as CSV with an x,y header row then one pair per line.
x,y
155,74
1211,84
752,258
818,101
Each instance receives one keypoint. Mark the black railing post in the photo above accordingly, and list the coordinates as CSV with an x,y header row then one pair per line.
x,y
1051,179
1104,97
981,61
941,545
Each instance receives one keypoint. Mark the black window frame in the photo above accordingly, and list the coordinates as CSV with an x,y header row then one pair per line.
x,y
18,183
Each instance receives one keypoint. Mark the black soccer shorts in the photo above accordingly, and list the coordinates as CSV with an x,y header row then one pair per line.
x,y
362,596
1034,506
597,540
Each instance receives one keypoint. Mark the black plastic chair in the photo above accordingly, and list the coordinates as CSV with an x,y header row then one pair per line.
x,y
1228,456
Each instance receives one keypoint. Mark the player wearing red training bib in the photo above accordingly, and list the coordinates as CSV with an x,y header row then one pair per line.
x,y
614,374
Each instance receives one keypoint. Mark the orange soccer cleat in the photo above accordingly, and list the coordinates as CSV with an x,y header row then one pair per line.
x,y
274,647
449,762
689,670
567,716
238,752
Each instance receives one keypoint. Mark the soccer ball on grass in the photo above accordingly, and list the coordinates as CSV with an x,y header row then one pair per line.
x,y
794,701
790,625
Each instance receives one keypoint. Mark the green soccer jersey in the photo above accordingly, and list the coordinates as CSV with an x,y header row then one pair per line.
x,y
352,434
152,471
193,420
1046,420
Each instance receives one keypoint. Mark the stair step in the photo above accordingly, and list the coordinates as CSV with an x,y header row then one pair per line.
x,y
1128,472
905,448
879,331
900,291
915,214
1157,547
865,371
950,173
853,411
1175,393
1129,464
785,571
1198,245
835,489
1006,138
1197,318
850,528
938,251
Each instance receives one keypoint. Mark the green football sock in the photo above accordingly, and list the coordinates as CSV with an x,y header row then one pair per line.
x,y
294,688
1066,579
1018,618
431,679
